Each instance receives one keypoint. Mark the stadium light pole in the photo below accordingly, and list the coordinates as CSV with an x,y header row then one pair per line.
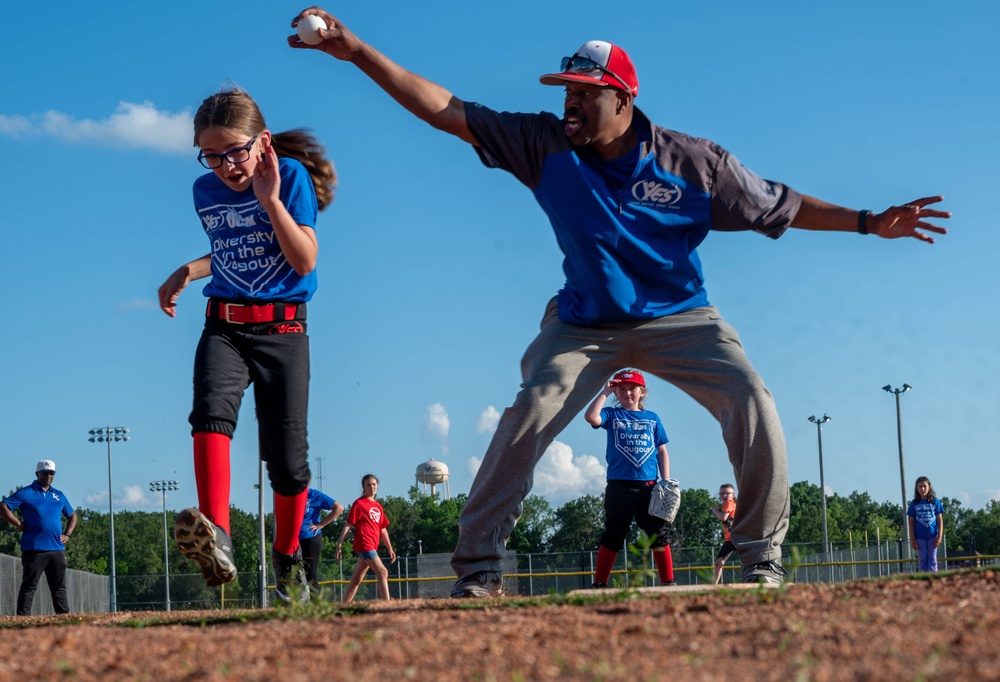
x,y
902,474
162,487
819,421
106,434
261,537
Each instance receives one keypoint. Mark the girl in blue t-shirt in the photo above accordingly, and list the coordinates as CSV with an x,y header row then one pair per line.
x,y
258,206
926,524
636,455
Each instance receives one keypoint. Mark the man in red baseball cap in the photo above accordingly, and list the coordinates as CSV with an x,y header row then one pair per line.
x,y
629,202
599,63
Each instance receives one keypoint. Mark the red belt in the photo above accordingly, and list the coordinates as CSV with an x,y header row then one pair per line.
x,y
238,313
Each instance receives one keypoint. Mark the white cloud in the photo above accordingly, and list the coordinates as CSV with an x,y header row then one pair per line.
x,y
139,304
132,496
472,466
136,126
436,420
488,420
437,424
97,501
135,496
560,476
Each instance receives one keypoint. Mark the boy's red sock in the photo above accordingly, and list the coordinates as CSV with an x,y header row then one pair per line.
x,y
605,561
288,515
664,564
211,475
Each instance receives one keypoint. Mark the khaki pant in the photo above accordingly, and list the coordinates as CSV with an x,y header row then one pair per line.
x,y
567,365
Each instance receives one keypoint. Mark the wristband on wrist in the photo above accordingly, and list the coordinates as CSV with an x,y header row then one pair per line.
x,y
863,221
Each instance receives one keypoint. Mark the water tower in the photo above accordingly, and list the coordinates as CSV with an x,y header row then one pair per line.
x,y
432,473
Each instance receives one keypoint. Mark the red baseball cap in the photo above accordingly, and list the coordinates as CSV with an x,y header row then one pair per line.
x,y
600,63
631,375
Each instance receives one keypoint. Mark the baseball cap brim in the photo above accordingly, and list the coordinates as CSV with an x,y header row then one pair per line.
x,y
560,78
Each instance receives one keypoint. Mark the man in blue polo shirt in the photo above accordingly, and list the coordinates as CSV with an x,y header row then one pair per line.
x,y
43,540
629,202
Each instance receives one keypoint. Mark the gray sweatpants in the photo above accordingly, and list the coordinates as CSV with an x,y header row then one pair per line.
x,y
567,365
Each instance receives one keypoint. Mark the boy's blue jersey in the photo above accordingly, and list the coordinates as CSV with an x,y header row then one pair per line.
x,y
247,262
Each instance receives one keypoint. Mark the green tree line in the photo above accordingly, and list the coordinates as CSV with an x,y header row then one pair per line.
x,y
422,523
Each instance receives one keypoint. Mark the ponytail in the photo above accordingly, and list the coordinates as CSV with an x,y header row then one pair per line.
x,y
301,145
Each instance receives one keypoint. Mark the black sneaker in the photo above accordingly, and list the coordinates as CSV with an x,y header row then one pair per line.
x,y
765,572
290,576
479,585
207,545
669,583
598,586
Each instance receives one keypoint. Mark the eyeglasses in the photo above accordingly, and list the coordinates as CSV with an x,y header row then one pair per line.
x,y
578,64
234,156
726,494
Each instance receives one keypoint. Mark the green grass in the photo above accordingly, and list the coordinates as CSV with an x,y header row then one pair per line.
x,y
326,610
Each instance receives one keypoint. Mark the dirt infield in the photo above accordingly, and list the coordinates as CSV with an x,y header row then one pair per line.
x,y
943,627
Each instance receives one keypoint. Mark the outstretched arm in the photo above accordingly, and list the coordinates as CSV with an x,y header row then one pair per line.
x,y
181,277
421,97
892,223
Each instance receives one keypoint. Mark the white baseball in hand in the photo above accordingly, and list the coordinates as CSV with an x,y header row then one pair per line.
x,y
309,28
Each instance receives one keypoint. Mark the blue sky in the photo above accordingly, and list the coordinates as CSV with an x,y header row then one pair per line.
x,y
434,271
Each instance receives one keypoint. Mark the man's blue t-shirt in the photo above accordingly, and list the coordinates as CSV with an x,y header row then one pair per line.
x,y
247,262
42,512
925,515
316,502
633,439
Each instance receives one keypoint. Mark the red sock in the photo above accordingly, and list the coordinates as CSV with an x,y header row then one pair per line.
x,y
211,474
664,564
605,561
288,515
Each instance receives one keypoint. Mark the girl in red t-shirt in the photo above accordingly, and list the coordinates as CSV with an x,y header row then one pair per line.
x,y
370,525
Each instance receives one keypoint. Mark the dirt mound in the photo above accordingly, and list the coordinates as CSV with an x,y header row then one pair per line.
x,y
940,627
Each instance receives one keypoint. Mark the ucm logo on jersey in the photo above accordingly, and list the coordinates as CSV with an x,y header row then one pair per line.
x,y
655,192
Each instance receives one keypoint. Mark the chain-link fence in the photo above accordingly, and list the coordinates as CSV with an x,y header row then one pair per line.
x,y
431,576
85,592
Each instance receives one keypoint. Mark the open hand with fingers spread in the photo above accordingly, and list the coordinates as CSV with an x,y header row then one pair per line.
x,y
907,220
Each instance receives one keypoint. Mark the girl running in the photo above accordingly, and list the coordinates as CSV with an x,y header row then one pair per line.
x,y
258,206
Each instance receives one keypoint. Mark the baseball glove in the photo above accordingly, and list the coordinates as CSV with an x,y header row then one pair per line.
x,y
665,499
